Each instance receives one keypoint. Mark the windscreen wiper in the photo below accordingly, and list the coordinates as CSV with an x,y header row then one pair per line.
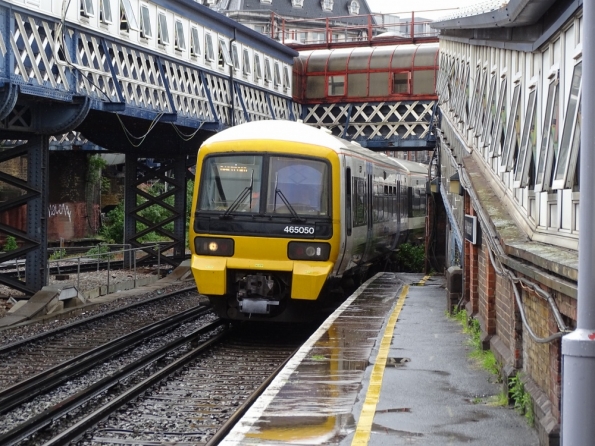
x,y
241,197
294,214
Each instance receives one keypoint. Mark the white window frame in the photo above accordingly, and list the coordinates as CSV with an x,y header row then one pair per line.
x,y
246,68
105,11
501,119
327,5
162,29
257,67
194,42
492,103
276,74
286,78
297,3
179,35
354,7
268,74
266,1
235,56
507,160
565,167
127,13
546,151
521,172
209,48
86,8
145,22
224,52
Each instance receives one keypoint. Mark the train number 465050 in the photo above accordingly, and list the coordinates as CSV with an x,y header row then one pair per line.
x,y
299,229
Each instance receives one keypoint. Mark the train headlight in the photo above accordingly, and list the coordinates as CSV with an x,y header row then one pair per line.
x,y
208,246
308,251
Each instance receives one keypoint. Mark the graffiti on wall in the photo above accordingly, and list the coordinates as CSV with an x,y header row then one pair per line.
x,y
59,209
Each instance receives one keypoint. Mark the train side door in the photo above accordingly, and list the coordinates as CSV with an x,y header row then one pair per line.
x,y
370,223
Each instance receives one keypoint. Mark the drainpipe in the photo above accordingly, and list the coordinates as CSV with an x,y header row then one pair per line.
x,y
232,92
578,348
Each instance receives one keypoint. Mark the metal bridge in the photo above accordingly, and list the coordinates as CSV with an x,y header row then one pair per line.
x,y
150,80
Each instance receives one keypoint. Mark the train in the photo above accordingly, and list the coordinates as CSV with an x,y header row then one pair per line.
x,y
283,213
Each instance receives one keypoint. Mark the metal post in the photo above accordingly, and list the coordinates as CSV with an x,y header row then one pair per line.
x,y
134,269
158,262
108,274
78,275
578,348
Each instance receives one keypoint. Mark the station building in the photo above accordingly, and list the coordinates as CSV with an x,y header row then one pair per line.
x,y
505,178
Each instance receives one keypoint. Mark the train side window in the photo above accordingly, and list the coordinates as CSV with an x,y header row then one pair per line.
x,y
348,198
360,202
401,83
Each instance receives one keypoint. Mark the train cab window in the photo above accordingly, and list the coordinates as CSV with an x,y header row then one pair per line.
x,y
194,42
400,83
231,183
336,85
298,185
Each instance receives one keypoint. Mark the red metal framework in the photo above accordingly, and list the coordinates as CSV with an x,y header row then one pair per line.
x,y
402,72
349,31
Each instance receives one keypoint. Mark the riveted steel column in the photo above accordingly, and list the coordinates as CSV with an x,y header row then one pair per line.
x,y
179,171
130,204
37,211
578,348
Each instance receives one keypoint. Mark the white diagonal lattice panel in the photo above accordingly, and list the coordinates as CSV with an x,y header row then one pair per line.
x,y
219,89
256,103
91,61
33,46
188,91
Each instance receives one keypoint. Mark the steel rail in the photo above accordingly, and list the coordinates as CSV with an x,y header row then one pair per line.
x,y
51,414
17,344
49,379
78,429
239,413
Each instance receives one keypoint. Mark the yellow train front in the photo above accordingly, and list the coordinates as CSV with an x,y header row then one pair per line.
x,y
265,227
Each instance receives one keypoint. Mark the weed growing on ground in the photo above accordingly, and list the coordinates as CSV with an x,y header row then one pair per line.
x,y
521,399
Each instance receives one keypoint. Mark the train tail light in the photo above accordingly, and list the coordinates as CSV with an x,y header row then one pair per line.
x,y
308,251
209,246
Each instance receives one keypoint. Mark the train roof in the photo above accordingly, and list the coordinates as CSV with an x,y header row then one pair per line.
x,y
290,131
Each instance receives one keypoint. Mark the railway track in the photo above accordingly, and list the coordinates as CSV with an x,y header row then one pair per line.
x,y
201,377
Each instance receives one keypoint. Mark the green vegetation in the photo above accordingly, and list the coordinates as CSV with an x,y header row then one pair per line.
x,y
113,230
521,398
58,254
10,244
485,358
410,258
100,251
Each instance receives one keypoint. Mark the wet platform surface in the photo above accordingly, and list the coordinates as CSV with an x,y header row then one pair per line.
x,y
387,368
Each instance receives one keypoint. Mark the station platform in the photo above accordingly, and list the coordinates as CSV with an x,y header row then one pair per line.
x,y
388,367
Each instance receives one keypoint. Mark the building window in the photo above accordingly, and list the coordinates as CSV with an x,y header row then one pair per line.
x,y
549,138
246,69
224,57
266,1
354,8
277,77
571,135
512,131
528,145
209,50
267,70
500,123
180,38
235,56
401,83
105,11
286,81
336,85
257,67
327,5
162,31
127,18
145,22
87,8
297,3
194,42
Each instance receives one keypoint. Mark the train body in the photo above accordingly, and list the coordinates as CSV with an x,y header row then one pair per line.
x,y
283,211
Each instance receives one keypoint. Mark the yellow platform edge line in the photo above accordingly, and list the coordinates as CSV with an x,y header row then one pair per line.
x,y
366,418
422,282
